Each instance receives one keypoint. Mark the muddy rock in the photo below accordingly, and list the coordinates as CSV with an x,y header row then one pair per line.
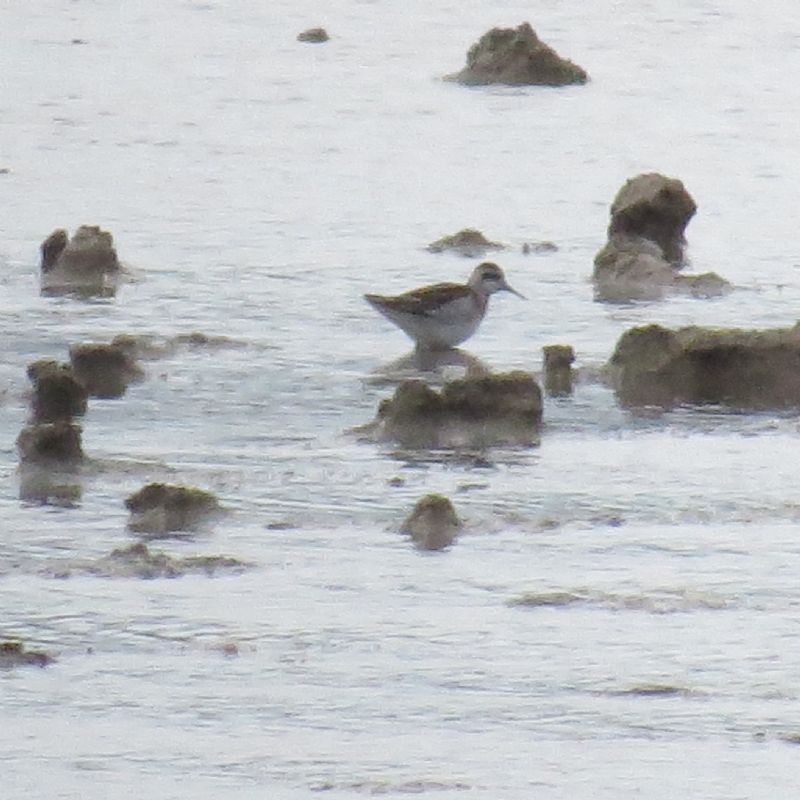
x,y
85,264
160,508
433,523
538,248
743,369
646,244
558,377
313,35
516,57
106,370
469,242
14,654
57,392
505,408
51,444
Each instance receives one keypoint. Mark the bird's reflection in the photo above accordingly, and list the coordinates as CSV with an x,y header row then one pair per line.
x,y
435,366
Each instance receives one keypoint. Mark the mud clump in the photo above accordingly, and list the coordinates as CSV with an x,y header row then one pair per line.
x,y
469,242
558,374
106,370
160,508
139,561
86,264
480,411
313,36
646,244
433,523
51,444
745,369
13,654
516,57
57,392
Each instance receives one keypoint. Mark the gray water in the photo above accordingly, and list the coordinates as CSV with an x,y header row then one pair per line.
x,y
620,618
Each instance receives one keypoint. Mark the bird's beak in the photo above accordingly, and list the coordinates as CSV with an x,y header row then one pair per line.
x,y
514,291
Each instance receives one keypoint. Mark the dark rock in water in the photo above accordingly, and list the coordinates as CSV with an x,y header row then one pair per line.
x,y
468,242
748,369
86,264
138,561
14,654
433,523
51,444
558,359
471,412
516,57
314,35
57,392
159,508
105,370
539,248
645,247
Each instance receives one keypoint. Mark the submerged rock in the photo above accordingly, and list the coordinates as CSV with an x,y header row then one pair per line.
x,y
750,369
558,359
14,654
433,523
159,508
471,412
538,248
469,242
314,35
50,444
57,392
645,247
105,370
516,57
138,561
86,264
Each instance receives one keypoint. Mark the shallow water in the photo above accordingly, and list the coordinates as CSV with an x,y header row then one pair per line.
x,y
620,618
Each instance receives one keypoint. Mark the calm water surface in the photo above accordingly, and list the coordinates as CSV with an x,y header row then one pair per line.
x,y
621,618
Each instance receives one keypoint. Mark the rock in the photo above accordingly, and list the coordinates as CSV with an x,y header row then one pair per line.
x,y
87,264
138,561
516,57
159,508
645,247
14,654
470,412
48,488
314,35
433,523
57,392
469,242
105,370
747,369
538,248
51,444
558,376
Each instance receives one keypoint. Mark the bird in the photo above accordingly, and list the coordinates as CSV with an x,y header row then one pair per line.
x,y
445,314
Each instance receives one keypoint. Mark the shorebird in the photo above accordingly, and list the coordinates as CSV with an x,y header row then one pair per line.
x,y
445,314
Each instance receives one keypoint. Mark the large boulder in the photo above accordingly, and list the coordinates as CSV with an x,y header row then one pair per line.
x,y
105,370
646,244
469,242
57,392
433,523
516,57
160,508
745,369
85,264
478,411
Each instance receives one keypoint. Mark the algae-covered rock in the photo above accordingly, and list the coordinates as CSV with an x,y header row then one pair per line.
x,y
646,243
313,35
505,408
139,561
57,392
86,264
469,242
106,370
433,523
14,654
750,369
159,508
52,444
516,57
558,377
